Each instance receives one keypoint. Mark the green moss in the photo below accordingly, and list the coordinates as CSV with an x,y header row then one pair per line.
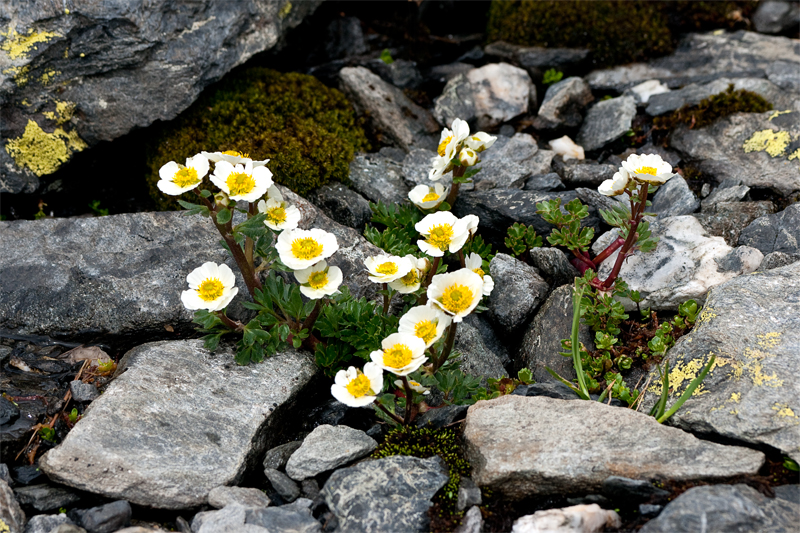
x,y
713,108
307,130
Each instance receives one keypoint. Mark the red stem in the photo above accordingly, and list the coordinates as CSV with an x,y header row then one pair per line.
x,y
636,218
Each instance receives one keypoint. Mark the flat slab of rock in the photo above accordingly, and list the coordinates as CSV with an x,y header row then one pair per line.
x,y
575,519
751,324
391,494
774,233
684,265
326,448
674,198
379,178
177,423
606,122
219,497
500,93
547,447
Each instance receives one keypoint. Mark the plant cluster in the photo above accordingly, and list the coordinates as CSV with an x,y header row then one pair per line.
x,y
520,239
714,107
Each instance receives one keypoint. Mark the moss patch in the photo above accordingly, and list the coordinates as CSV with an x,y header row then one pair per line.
x,y
713,108
307,130
42,153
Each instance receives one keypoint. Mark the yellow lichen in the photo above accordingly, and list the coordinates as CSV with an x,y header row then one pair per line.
x,y
47,77
772,142
794,155
63,113
784,410
760,378
776,114
285,10
736,397
734,411
684,372
42,153
706,315
769,340
17,45
21,75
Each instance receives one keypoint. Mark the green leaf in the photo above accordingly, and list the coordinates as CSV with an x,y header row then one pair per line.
x,y
223,216
205,193
386,56
689,390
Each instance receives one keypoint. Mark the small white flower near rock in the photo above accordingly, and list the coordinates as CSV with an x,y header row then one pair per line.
x,y
474,262
211,287
425,322
402,354
319,280
355,388
239,182
233,157
443,231
426,197
616,185
387,268
177,179
299,249
456,293
648,168
280,215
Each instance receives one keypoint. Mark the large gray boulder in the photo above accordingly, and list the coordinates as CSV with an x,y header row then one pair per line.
x,y
178,422
751,324
72,75
547,447
775,233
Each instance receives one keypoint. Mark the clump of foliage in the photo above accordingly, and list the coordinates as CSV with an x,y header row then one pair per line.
x,y
520,239
307,130
551,76
714,107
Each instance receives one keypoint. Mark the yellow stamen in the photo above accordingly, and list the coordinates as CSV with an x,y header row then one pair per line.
x,y
431,196
210,289
387,268
276,215
318,279
240,183
306,248
425,330
235,153
359,387
443,146
397,356
479,271
412,278
647,170
185,177
440,236
456,298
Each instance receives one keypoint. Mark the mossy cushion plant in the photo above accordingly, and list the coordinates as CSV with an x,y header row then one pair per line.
x,y
308,130
714,107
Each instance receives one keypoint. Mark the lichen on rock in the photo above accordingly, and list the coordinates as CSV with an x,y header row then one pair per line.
x,y
41,152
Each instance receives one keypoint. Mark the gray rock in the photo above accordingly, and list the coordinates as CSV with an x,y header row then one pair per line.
x,y
231,519
544,182
725,509
379,178
278,456
469,494
595,199
576,519
396,119
620,488
445,73
775,233
5,475
683,266
543,449
719,150
520,148
8,412
46,523
728,219
523,290
790,493
441,416
500,92
342,204
344,38
502,174
563,105
472,521
309,489
105,518
475,357
777,260
581,173
108,60
326,448
401,73
45,497
284,519
674,198
10,512
223,496
553,265
391,494
194,428
776,16
727,194
83,392
785,75
456,101
282,484
541,344
670,156
551,389
535,59
751,323
606,122
416,165
648,510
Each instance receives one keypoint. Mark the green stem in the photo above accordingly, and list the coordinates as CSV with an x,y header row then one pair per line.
x,y
447,348
409,400
689,390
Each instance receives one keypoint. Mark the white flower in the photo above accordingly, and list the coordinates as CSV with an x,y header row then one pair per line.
x,y
242,182
427,323
426,197
233,157
356,389
468,157
456,293
443,232
177,179
320,280
450,139
211,286
415,386
401,355
411,281
475,263
566,147
280,215
472,222
439,166
299,249
616,185
480,141
386,268
648,168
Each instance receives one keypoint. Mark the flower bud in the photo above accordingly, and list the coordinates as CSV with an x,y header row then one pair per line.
x,y
468,157
221,199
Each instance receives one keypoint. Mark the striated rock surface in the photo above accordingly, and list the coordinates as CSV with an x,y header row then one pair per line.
x,y
575,519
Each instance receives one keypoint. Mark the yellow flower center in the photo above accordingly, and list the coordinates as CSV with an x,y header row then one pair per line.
x,y
479,271
456,298
210,289
306,248
647,170
425,330
185,177
387,268
412,278
443,146
359,387
397,356
276,215
440,236
431,196
235,153
474,138
318,279
240,183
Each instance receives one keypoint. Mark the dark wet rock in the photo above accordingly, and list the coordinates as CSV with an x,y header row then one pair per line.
x,y
203,405
396,119
775,233
723,193
309,488
8,411
379,178
489,337
344,38
523,290
606,122
83,392
620,488
10,512
441,417
282,484
278,456
563,105
27,474
542,449
326,448
5,475
586,174
342,204
649,510
674,198
550,389
776,16
553,265
222,496
544,182
777,260
444,73
751,323
46,497
721,150
400,73
476,358
391,494
332,412
44,523
728,219
724,509
103,519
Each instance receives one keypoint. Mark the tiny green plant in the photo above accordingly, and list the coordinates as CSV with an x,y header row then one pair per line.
x,y
551,76
790,464
521,239
386,56
98,211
